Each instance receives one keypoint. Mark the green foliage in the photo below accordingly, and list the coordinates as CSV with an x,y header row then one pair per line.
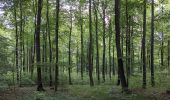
x,y
9,78
3,86
26,80
81,91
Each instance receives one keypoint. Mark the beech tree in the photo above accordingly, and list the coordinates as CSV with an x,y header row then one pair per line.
x,y
119,53
38,54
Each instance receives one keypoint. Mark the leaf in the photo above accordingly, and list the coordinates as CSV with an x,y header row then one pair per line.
x,y
82,2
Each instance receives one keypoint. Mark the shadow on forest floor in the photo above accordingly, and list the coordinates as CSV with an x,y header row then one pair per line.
x,y
82,92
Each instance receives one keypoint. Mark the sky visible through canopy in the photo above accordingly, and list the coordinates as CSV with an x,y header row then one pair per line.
x,y
1,10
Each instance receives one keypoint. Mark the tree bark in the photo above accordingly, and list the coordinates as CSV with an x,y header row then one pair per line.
x,y
143,45
168,53
16,37
127,43
90,47
49,43
57,48
82,43
69,53
37,38
110,61
104,44
152,44
119,53
97,42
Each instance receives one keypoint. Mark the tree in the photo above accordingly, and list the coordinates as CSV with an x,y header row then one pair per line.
x,y
82,41
49,41
104,43
16,37
168,53
33,47
110,61
90,47
143,44
37,38
152,44
119,53
20,41
97,41
127,43
162,41
113,59
69,52
57,48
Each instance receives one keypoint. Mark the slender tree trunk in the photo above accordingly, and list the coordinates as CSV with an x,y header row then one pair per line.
x,y
119,53
104,44
82,43
113,61
168,53
148,57
37,37
90,47
110,63
162,50
33,49
23,46
16,37
69,53
132,49
45,51
97,44
127,43
28,56
57,48
143,45
21,41
122,44
152,44
49,43
77,59
162,43
162,53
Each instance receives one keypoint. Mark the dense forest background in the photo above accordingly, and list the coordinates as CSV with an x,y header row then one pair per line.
x,y
81,49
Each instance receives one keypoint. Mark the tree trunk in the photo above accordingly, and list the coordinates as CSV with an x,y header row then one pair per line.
x,y
49,43
119,53
127,44
21,42
57,48
168,53
132,49
37,38
97,44
152,44
16,44
104,44
143,45
113,61
77,59
33,51
82,43
110,63
69,53
90,47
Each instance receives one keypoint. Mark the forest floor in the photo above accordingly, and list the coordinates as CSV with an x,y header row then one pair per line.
x,y
82,92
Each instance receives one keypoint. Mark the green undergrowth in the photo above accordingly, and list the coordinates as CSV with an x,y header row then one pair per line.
x,y
85,92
